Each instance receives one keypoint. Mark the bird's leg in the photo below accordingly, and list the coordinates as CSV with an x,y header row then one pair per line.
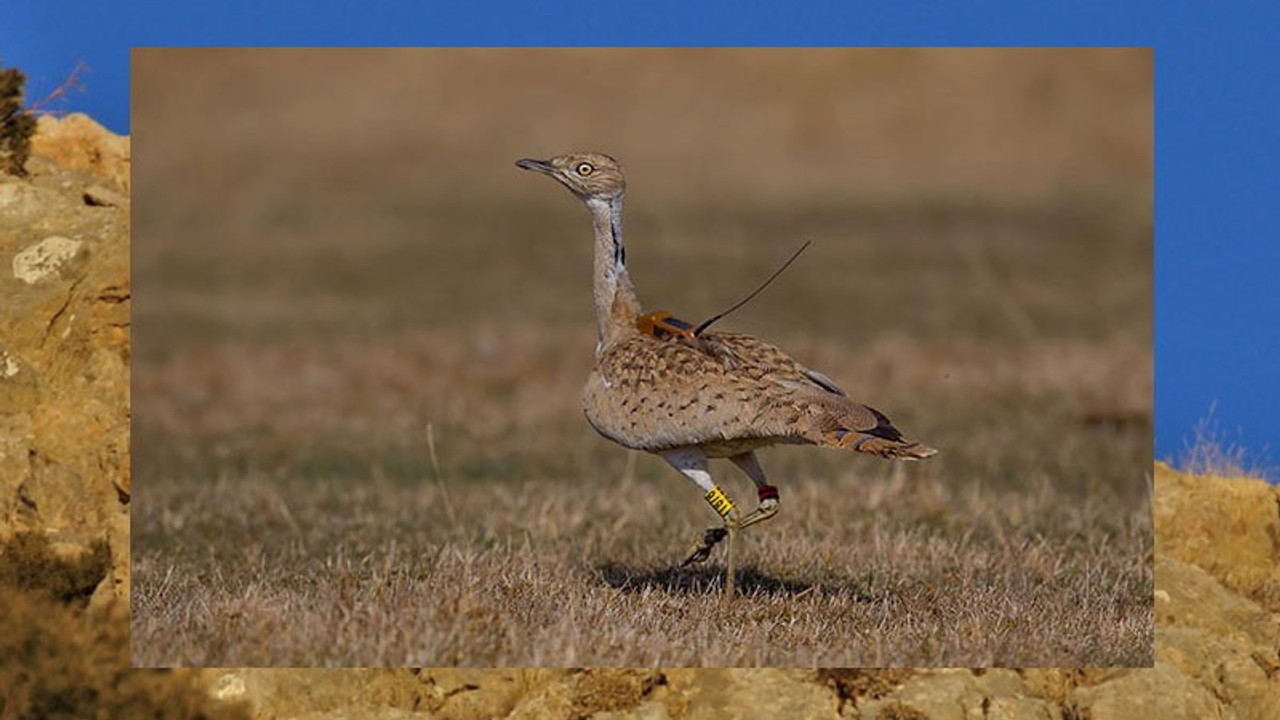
x,y
702,547
733,524
692,463
767,493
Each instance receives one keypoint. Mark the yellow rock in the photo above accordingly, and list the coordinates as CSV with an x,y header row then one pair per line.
x,y
1230,527
78,142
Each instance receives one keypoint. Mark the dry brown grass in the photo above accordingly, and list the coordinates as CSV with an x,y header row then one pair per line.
x,y
295,340
547,573
1211,452
305,524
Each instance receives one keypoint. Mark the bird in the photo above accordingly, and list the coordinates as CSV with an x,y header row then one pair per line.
x,y
691,395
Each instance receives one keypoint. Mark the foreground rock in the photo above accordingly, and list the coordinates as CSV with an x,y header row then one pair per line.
x,y
1229,527
64,344
64,441
78,143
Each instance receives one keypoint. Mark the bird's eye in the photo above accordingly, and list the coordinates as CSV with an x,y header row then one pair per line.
x,y
585,169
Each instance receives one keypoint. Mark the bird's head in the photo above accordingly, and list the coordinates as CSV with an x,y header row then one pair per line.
x,y
589,175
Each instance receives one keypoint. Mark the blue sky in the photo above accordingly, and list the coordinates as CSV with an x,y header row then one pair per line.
x,y
1217,145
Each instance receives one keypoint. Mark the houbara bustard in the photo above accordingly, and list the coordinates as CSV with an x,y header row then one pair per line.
x,y
661,386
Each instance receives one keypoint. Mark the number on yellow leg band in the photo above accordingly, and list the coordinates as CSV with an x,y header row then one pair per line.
x,y
719,501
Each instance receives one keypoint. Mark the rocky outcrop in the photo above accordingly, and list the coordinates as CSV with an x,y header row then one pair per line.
x,y
1230,527
78,143
64,344
64,442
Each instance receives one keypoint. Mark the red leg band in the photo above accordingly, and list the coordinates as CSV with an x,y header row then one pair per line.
x,y
767,492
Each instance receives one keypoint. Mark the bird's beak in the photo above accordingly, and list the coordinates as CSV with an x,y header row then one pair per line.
x,y
541,166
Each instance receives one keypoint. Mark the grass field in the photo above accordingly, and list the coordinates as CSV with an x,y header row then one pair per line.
x,y
296,345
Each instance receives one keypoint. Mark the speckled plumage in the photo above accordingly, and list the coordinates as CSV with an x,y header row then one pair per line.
x,y
724,393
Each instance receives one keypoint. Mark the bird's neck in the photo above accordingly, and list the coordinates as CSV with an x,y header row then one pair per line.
x,y
616,304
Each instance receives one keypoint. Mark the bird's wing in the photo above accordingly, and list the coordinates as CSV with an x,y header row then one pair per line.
x,y
651,394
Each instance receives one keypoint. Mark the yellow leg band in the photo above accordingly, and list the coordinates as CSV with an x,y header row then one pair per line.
x,y
719,501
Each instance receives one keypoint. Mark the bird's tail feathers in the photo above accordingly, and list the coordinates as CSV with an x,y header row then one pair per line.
x,y
878,446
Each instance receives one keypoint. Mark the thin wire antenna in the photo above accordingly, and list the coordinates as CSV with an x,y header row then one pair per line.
x,y
707,323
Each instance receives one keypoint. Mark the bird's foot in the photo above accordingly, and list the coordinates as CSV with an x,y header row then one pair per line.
x,y
703,546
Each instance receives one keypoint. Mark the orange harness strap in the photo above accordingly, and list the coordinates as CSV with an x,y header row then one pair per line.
x,y
664,326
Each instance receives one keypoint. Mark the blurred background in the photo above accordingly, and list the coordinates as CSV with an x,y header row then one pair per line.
x,y
693,125
347,299
333,250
